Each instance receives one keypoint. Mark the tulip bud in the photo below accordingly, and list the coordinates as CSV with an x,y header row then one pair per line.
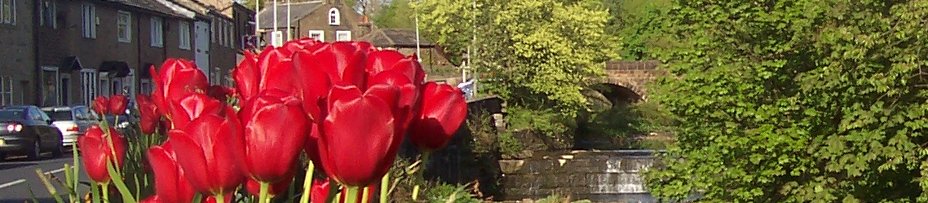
x,y
96,152
117,104
148,114
101,105
170,183
442,112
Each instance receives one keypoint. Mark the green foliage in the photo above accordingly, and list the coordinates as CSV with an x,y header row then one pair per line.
x,y
509,144
545,50
796,101
546,122
448,193
395,15
639,24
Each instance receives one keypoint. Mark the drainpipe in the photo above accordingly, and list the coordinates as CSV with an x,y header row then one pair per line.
x,y
37,78
134,77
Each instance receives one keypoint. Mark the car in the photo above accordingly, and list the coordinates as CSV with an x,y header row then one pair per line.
x,y
27,130
71,121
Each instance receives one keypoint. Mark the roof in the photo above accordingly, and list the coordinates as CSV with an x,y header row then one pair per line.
x,y
154,6
297,11
396,38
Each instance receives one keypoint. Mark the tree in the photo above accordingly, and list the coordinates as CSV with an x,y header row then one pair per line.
x,y
796,101
640,26
532,52
395,15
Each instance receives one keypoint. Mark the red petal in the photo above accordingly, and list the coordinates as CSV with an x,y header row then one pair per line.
x,y
355,154
443,111
247,76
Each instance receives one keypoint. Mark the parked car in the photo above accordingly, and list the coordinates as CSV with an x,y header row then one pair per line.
x,y
71,121
27,130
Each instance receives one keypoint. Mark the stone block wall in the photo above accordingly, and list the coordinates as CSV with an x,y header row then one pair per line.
x,y
601,176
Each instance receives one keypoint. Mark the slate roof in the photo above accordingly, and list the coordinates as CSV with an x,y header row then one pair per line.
x,y
298,10
400,38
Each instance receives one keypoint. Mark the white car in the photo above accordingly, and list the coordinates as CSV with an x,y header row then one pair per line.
x,y
72,121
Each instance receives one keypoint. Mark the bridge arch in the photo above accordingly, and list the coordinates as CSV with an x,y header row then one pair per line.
x,y
619,94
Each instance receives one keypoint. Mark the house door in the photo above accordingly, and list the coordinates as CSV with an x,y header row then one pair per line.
x,y
50,86
201,40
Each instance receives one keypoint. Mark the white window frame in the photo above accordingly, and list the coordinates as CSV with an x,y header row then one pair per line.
x,y
88,21
6,90
320,32
157,31
124,21
89,85
47,17
214,30
184,32
338,34
11,4
335,17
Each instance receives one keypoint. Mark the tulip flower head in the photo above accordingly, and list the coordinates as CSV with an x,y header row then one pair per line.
x,y
442,112
170,183
99,148
149,118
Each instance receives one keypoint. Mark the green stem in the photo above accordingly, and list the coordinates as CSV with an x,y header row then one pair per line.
x,y
106,191
364,196
263,198
384,184
220,198
415,193
307,183
351,195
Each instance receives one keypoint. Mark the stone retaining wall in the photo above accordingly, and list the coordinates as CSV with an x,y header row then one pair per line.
x,y
601,176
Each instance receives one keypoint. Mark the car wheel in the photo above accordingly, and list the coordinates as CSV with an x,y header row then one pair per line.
x,y
58,151
36,151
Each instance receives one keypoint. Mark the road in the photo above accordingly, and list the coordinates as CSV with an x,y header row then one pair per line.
x,y
19,183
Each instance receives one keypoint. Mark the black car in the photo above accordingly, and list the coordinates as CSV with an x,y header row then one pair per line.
x,y
27,130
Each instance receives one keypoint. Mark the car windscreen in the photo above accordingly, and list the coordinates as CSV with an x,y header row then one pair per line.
x,y
12,114
60,115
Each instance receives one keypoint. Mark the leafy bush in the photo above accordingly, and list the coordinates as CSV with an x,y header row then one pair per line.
x,y
509,144
448,193
547,122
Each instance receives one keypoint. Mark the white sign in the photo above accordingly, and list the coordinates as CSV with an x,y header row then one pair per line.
x,y
277,38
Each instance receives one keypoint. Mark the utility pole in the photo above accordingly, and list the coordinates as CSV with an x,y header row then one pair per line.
x,y
257,20
288,21
416,15
473,43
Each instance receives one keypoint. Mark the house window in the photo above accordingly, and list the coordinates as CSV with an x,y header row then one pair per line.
x,y
157,32
334,17
342,35
222,33
48,15
230,39
89,21
8,12
123,26
213,30
6,90
184,31
317,34
88,85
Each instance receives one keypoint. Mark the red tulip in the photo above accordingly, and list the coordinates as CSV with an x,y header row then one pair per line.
x,y
227,197
442,112
148,114
101,105
320,191
204,151
96,152
343,62
384,60
272,69
276,188
358,137
117,104
275,126
174,81
193,106
170,183
220,92
152,199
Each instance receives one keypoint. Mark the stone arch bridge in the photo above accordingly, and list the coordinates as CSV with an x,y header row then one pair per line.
x,y
626,81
